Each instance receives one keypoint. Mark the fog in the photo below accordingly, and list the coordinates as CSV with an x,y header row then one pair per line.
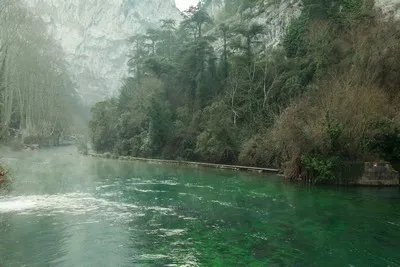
x,y
185,4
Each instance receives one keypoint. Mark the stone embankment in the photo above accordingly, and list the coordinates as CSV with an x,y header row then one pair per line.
x,y
188,163
379,174
372,173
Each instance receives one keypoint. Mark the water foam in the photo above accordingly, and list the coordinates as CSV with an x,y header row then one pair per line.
x,y
72,204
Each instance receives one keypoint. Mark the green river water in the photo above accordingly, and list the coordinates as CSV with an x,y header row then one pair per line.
x,y
68,210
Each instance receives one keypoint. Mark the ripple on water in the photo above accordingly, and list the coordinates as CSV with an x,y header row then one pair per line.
x,y
190,195
152,182
172,232
152,256
199,186
105,186
226,204
148,190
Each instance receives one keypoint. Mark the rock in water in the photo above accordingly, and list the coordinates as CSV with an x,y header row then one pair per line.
x,y
3,176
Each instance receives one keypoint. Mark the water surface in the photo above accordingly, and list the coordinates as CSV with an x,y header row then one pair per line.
x,y
68,210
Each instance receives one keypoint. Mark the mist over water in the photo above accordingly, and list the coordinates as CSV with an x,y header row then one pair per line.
x,y
69,210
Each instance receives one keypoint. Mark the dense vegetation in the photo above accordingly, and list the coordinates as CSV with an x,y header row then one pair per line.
x,y
37,98
210,90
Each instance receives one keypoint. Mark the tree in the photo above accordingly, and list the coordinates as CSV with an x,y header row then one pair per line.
x,y
225,65
199,17
103,126
35,90
138,56
250,34
168,28
154,36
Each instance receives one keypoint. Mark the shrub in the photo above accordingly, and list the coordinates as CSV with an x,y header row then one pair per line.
x,y
3,170
319,170
216,142
257,151
294,42
334,120
81,143
103,125
386,142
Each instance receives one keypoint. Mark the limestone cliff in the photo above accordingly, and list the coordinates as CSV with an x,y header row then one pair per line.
x,y
94,35
389,7
275,16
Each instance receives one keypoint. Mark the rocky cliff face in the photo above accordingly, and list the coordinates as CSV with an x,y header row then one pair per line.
x,y
94,35
389,7
275,16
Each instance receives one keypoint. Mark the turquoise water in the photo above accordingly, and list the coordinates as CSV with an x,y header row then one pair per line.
x,y
68,210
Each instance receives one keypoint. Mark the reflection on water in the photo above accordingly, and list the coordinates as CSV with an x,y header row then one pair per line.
x,y
68,210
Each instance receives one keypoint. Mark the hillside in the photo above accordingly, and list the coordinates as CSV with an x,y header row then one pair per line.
x,y
303,87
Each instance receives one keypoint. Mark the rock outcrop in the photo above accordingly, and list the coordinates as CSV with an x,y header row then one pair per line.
x,y
275,16
389,7
94,35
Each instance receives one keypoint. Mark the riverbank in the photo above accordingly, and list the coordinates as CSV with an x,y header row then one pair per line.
x,y
379,174
367,174
189,163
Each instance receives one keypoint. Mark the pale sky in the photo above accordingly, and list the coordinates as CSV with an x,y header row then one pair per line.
x,y
184,4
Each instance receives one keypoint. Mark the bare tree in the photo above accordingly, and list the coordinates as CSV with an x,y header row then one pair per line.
x,y
34,85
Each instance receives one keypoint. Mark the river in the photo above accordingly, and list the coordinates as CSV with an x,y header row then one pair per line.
x,y
69,210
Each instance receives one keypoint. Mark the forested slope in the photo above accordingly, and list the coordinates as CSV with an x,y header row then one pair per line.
x,y
209,90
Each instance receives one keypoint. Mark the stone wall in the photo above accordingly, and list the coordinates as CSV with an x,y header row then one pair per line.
x,y
379,173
